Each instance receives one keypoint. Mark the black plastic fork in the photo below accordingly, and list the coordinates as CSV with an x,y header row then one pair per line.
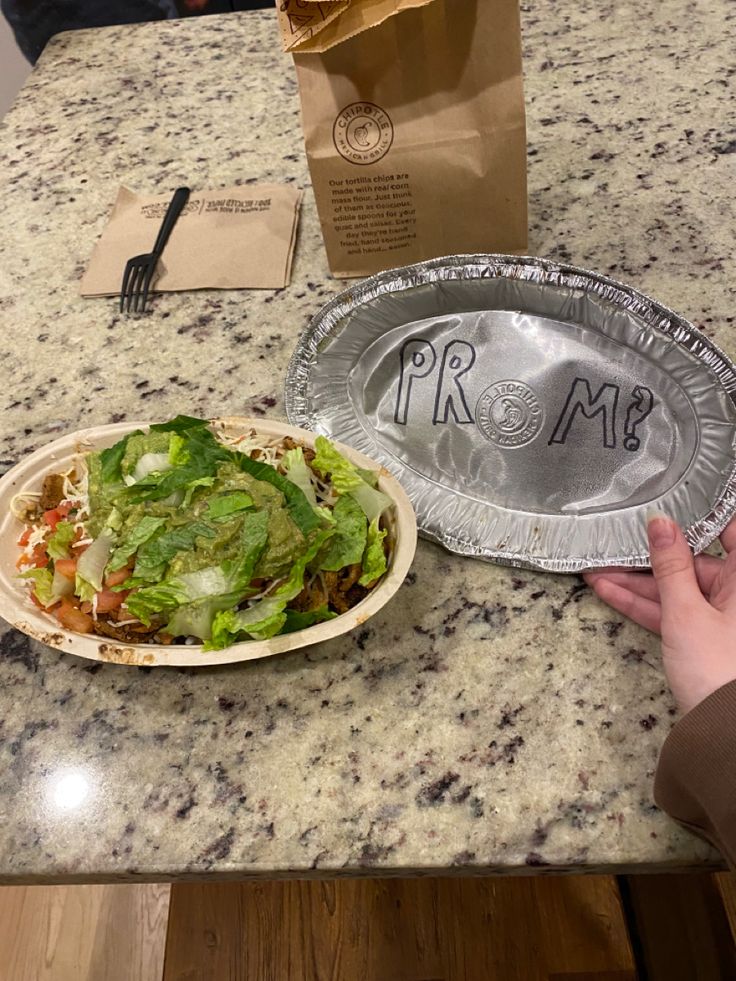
x,y
139,270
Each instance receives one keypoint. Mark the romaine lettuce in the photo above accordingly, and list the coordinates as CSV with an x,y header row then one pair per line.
x,y
227,504
151,463
61,586
130,544
194,487
347,479
347,545
43,581
110,459
296,620
372,501
229,579
201,453
150,447
156,553
298,505
58,543
297,472
180,424
91,566
374,559
195,619
267,616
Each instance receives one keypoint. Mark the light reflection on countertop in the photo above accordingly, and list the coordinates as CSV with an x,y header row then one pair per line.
x,y
68,789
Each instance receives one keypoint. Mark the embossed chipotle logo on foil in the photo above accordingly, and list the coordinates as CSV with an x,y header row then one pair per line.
x,y
509,414
363,133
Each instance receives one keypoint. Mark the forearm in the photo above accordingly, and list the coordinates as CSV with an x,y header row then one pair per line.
x,y
696,774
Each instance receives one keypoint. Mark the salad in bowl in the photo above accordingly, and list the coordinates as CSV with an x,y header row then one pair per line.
x,y
209,535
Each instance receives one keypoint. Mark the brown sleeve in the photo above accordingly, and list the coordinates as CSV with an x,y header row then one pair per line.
x,y
696,774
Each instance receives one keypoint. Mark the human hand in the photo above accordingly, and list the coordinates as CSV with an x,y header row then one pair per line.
x,y
690,602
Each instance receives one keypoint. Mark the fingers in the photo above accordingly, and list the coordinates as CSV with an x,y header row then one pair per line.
x,y
728,536
646,612
640,583
723,595
673,568
707,568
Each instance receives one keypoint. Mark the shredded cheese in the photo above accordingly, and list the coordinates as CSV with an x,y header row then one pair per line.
x,y
265,592
24,504
37,536
270,449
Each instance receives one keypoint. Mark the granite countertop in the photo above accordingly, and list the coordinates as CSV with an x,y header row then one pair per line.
x,y
486,719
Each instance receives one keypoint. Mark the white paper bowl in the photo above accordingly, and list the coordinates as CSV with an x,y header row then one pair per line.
x,y
17,608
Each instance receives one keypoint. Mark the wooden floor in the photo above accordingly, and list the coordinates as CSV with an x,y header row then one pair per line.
x,y
402,929
593,928
83,933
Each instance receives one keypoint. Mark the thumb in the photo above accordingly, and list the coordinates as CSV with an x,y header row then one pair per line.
x,y
673,566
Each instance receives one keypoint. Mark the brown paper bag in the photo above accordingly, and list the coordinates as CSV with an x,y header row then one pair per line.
x,y
413,114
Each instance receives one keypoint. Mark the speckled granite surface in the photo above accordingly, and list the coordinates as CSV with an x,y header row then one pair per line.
x,y
486,720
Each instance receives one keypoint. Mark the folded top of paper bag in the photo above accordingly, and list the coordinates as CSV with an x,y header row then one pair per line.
x,y
317,25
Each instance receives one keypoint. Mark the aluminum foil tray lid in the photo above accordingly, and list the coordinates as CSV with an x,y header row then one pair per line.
x,y
533,412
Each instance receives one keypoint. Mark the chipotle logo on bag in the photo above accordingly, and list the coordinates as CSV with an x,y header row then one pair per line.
x,y
413,116
363,133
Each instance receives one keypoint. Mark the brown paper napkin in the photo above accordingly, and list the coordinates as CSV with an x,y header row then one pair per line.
x,y
230,238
